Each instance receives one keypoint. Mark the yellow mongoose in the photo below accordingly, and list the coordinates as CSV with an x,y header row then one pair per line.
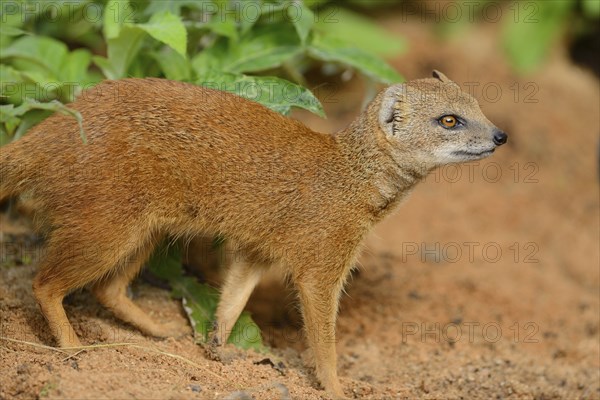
x,y
170,158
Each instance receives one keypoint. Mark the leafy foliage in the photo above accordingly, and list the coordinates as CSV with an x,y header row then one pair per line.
x,y
9,115
51,51
200,301
529,28
541,29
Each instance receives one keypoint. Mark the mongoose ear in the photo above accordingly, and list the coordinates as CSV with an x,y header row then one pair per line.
x,y
438,75
392,110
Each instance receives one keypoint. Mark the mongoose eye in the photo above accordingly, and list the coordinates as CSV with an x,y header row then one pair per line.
x,y
448,121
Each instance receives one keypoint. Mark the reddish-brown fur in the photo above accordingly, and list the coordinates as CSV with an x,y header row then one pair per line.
x,y
168,158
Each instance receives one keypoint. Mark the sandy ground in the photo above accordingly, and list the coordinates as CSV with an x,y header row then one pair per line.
x,y
485,284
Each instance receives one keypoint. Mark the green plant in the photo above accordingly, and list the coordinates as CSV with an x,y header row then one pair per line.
x,y
529,28
542,23
200,300
259,49
51,50
47,388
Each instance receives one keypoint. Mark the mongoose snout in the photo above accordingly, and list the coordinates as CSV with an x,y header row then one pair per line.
x,y
192,161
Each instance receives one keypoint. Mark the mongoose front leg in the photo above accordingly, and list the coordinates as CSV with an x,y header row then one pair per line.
x,y
319,295
241,279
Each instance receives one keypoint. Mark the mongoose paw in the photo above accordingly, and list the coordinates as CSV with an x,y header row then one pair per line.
x,y
73,349
340,397
224,353
212,353
337,393
70,344
171,329
334,389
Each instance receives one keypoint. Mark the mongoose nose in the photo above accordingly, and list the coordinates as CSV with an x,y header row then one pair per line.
x,y
500,138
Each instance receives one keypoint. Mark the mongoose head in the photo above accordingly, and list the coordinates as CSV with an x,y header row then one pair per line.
x,y
436,122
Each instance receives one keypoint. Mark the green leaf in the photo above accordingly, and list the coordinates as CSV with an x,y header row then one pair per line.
x,y
528,39
121,52
265,47
5,137
167,28
302,18
7,112
223,26
17,121
314,3
166,262
174,6
44,52
275,93
75,66
211,58
250,17
200,301
361,32
16,84
12,13
12,31
115,14
173,64
9,75
331,49
591,8
200,304
54,106
10,79
106,67
159,6
246,334
456,25
29,120
9,118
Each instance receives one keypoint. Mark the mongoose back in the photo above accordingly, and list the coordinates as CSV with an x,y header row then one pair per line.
x,y
170,158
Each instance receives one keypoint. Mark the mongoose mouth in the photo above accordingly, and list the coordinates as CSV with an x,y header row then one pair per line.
x,y
472,155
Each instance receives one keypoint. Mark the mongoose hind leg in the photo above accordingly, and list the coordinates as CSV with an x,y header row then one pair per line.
x,y
49,295
65,266
241,279
111,292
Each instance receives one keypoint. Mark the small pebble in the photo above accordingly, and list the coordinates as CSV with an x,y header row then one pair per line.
x,y
195,388
239,395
